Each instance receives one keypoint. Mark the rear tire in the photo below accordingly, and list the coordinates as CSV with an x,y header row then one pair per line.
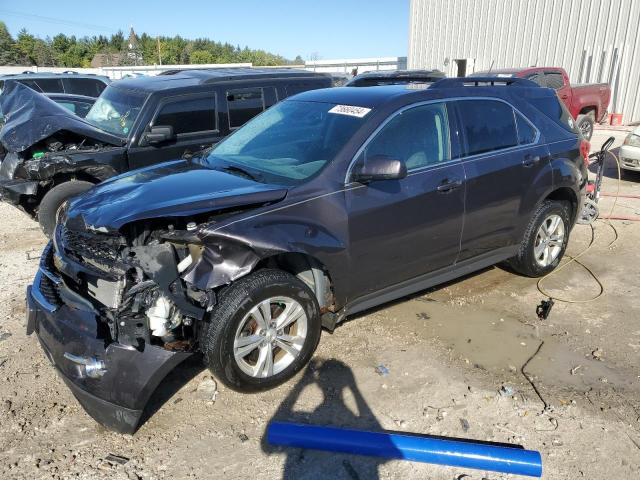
x,y
54,198
245,347
540,253
585,125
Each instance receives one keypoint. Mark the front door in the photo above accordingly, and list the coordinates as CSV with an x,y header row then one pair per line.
x,y
195,124
401,229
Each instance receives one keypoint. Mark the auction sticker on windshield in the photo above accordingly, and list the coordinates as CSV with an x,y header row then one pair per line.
x,y
350,110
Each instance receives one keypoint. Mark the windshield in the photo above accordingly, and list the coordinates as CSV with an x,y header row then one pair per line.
x,y
288,143
116,110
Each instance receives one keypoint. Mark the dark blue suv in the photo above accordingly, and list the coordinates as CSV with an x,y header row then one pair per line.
x,y
329,203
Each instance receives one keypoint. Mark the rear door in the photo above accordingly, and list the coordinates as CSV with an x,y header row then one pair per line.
x,y
505,165
194,120
401,229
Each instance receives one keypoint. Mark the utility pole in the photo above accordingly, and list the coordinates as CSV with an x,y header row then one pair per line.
x,y
159,56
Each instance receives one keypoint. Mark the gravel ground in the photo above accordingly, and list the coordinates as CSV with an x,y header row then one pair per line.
x,y
454,355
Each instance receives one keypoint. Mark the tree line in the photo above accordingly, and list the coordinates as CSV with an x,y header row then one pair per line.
x,y
71,51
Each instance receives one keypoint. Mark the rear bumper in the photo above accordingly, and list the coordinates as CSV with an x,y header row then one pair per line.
x,y
69,330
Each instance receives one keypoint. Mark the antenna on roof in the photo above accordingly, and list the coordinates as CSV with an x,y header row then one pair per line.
x,y
491,67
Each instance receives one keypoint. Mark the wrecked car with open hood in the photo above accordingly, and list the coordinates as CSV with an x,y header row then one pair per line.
x,y
53,155
329,203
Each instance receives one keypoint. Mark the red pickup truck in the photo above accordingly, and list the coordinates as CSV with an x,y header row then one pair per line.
x,y
587,102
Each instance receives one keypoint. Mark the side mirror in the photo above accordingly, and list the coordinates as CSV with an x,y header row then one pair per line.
x,y
379,167
159,134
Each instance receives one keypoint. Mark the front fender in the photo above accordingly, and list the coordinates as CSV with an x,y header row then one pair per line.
x,y
316,229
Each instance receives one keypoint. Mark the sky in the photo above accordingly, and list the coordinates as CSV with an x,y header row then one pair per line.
x,y
324,29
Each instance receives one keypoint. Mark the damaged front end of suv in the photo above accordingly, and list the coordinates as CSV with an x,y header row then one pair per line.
x,y
201,256
120,299
44,145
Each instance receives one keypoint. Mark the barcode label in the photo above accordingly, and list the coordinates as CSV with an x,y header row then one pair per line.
x,y
350,110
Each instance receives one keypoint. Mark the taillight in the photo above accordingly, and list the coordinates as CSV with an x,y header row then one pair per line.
x,y
585,148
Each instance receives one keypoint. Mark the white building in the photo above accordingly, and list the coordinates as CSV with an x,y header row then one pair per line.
x,y
594,40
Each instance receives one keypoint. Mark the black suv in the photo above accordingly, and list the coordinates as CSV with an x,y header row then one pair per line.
x,y
329,203
54,155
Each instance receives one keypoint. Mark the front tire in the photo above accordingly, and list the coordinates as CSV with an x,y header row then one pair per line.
x,y
54,198
263,330
545,240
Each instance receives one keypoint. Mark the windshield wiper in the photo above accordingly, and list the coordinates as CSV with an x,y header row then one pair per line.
x,y
241,171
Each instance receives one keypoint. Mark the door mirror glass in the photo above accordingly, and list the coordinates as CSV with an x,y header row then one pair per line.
x,y
159,134
379,167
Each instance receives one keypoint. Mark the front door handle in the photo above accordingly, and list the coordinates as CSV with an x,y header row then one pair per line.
x,y
449,185
530,160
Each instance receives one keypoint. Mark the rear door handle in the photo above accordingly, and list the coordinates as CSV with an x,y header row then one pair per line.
x,y
449,185
530,160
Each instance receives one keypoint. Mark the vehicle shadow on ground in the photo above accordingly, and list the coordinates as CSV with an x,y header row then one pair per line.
x,y
170,385
610,169
342,405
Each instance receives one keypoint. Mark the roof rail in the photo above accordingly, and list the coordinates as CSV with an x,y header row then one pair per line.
x,y
483,82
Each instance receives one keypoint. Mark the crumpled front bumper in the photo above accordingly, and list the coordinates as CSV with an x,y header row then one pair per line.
x,y
69,330
12,189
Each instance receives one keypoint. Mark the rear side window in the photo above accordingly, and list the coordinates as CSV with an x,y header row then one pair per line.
x,y
189,115
244,104
47,85
526,132
488,125
418,136
554,80
84,86
553,108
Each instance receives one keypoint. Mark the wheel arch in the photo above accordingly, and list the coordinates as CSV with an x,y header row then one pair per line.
x,y
309,270
565,194
588,109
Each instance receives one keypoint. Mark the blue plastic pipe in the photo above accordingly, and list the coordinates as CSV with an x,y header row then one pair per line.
x,y
455,453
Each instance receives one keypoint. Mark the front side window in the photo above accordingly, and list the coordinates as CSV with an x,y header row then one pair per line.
x,y
419,137
189,116
244,104
116,110
488,125
288,143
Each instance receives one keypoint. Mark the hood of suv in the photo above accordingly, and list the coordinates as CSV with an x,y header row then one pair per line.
x,y
173,189
31,117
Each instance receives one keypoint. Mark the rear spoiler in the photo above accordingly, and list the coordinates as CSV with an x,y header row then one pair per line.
x,y
483,82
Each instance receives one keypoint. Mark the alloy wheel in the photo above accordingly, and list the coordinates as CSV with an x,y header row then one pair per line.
x,y
270,337
549,240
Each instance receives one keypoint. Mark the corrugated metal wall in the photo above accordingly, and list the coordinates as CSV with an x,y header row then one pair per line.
x,y
594,40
